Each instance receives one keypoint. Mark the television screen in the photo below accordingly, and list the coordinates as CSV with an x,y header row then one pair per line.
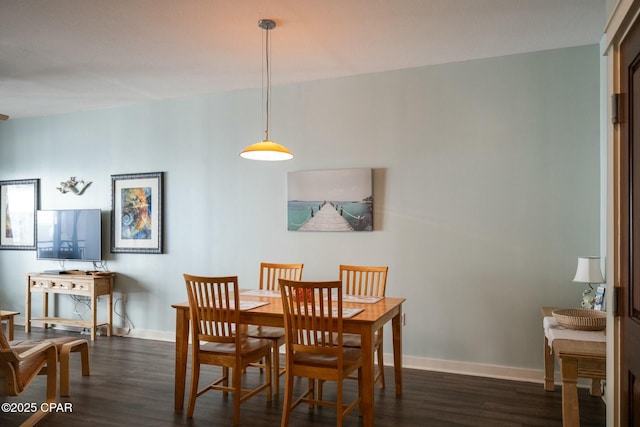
x,y
73,234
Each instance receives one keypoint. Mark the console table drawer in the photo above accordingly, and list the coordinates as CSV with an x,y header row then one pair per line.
x,y
41,284
82,286
61,285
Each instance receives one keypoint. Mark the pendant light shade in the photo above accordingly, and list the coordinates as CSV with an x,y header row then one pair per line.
x,y
266,149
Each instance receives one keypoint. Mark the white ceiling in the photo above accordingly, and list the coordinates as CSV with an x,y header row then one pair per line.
x,y
62,56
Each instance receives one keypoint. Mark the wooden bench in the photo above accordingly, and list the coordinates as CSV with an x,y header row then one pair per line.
x,y
580,354
65,347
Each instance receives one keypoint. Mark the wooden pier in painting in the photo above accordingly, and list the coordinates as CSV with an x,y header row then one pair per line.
x,y
326,219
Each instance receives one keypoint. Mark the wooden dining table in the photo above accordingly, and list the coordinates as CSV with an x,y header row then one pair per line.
x,y
370,319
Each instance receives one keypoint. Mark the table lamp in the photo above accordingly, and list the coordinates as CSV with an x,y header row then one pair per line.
x,y
588,272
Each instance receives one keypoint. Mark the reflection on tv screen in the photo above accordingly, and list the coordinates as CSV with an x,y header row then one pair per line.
x,y
72,234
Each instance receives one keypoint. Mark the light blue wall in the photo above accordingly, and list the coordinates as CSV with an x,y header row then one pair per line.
x,y
486,191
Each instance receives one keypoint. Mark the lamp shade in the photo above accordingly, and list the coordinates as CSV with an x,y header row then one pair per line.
x,y
266,150
588,270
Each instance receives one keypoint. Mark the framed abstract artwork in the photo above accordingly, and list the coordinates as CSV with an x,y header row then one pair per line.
x,y
18,206
136,213
330,200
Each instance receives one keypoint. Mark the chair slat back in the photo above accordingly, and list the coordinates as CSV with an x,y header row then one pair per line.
x,y
212,303
364,280
270,273
313,316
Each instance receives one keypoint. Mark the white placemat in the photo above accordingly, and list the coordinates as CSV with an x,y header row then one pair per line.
x,y
346,312
552,330
350,312
363,299
261,293
248,305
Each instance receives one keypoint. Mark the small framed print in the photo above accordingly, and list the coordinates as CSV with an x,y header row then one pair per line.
x,y
18,206
136,213
598,303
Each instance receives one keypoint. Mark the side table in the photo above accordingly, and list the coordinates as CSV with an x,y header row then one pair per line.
x,y
581,354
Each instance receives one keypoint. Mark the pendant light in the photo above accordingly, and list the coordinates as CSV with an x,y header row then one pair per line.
x,y
267,149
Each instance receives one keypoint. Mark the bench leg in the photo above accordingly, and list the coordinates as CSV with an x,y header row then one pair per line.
x,y
81,346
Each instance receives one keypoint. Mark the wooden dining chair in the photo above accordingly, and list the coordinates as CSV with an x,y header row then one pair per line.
x,y
269,275
217,339
19,368
314,344
368,281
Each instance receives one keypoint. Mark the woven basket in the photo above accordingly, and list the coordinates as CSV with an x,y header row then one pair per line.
x,y
581,319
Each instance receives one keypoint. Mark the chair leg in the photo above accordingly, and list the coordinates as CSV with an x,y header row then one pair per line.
x,y
269,369
339,408
381,364
311,391
52,388
237,394
288,396
84,359
275,385
360,391
52,375
225,381
193,393
64,370
34,419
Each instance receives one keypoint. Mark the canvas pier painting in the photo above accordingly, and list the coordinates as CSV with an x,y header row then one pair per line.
x,y
330,200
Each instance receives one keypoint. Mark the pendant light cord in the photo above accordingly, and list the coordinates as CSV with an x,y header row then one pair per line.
x,y
268,67
266,149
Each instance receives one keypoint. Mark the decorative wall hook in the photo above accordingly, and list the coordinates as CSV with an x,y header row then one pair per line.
x,y
73,185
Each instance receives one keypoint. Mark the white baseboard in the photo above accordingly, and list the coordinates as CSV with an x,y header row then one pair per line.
x,y
467,368
479,370
145,334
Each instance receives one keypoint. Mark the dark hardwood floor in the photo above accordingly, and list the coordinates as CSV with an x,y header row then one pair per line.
x,y
131,383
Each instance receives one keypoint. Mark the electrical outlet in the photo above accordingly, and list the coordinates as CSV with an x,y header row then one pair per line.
x,y
124,299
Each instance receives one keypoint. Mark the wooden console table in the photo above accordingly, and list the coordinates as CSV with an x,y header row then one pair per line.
x,y
581,357
79,283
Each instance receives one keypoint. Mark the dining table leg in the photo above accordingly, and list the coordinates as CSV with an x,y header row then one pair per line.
x,y
396,327
182,350
366,408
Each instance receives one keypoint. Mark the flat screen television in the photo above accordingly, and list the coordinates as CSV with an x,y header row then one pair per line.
x,y
69,235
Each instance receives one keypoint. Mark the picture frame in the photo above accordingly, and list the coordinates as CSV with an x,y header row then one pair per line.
x,y
333,200
19,201
598,302
136,213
